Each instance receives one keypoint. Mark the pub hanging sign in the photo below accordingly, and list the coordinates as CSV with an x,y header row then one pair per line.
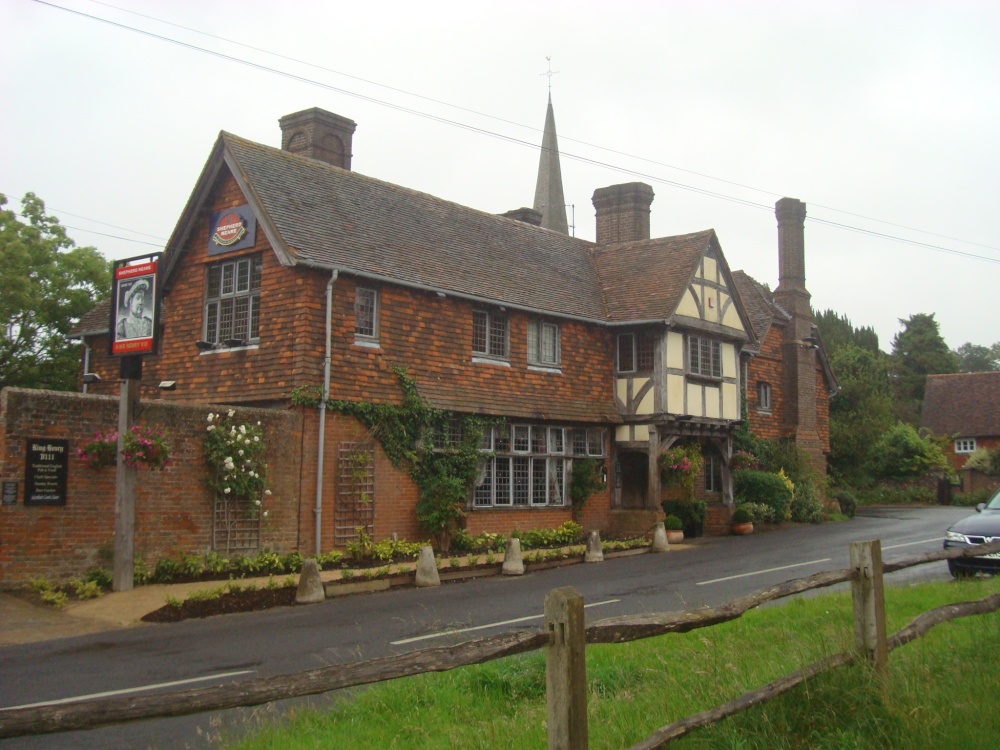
x,y
136,307
231,229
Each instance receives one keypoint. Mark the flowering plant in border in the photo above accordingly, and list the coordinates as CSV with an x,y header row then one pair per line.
x,y
235,453
101,451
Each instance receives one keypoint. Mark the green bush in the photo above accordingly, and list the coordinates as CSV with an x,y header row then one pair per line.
x,y
759,513
763,487
806,506
568,533
901,453
166,570
484,542
971,499
896,494
742,515
847,502
100,577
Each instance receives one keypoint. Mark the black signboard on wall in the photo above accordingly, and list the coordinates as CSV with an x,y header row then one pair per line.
x,y
46,467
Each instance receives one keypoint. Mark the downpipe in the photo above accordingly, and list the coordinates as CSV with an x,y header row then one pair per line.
x,y
318,509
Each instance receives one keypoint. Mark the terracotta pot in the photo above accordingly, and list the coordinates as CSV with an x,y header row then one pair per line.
x,y
674,536
741,529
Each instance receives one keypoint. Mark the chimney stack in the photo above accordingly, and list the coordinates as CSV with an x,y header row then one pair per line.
x,y
320,135
623,212
799,353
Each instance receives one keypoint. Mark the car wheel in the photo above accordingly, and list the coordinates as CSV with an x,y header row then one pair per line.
x,y
956,571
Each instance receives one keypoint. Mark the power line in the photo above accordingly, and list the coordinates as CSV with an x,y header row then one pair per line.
x,y
500,136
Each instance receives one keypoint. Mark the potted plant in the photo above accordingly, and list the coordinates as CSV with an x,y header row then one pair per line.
x,y
741,522
674,528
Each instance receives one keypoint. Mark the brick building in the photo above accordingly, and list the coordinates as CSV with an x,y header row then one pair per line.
x,y
613,350
965,408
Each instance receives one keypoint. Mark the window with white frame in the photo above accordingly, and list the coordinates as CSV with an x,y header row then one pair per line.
x,y
763,396
704,357
232,301
489,334
965,445
543,343
635,352
532,464
366,314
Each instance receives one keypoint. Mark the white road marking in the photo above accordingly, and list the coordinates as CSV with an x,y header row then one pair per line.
x,y
126,691
939,539
762,572
490,625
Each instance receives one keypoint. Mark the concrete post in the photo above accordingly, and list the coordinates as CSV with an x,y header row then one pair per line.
x,y
427,572
513,563
660,543
311,589
594,552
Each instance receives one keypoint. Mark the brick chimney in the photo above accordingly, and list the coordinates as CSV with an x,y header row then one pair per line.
x,y
320,135
798,348
623,212
526,215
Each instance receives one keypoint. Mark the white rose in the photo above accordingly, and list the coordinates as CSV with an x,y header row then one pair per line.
x,y
226,490
232,412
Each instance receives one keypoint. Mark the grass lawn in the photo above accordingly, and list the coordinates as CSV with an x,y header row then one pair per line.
x,y
940,694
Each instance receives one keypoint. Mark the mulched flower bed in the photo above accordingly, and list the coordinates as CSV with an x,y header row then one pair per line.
x,y
251,600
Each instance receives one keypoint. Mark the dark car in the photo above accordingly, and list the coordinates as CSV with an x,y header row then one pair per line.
x,y
982,528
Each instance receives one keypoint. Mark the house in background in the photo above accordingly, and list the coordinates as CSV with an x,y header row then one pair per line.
x,y
965,408
613,350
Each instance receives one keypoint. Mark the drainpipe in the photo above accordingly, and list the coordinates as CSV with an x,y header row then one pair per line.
x,y
86,362
318,510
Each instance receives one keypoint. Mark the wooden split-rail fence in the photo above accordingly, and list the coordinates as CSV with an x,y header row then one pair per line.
x,y
564,640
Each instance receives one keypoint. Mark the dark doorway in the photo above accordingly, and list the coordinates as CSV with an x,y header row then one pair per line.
x,y
635,480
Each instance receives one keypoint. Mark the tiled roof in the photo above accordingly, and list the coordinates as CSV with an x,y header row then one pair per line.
x,y
759,303
334,218
965,404
95,322
645,280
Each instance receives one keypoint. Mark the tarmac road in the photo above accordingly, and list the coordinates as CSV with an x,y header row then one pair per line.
x,y
237,647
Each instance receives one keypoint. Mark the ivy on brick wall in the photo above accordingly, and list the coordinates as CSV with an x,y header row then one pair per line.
x,y
439,449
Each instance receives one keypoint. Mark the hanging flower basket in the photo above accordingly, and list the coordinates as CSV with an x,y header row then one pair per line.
x,y
100,452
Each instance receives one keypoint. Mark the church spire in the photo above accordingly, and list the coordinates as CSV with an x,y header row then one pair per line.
x,y
548,188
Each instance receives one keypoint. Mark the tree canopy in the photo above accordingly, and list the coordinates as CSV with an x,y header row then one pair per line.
x,y
46,285
837,331
917,351
977,358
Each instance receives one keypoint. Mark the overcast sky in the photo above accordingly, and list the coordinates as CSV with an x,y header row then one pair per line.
x,y
881,116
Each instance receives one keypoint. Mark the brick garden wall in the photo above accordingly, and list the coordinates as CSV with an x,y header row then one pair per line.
x,y
173,507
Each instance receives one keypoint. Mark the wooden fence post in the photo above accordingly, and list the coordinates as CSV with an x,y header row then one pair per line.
x,y
869,604
566,670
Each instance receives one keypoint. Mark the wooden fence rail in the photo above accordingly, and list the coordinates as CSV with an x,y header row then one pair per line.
x,y
90,714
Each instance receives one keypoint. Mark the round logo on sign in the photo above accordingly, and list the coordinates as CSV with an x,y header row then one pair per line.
x,y
230,229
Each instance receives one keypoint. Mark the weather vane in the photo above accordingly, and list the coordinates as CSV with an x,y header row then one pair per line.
x,y
549,73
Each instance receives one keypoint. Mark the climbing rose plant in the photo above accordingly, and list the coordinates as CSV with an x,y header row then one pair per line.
x,y
234,452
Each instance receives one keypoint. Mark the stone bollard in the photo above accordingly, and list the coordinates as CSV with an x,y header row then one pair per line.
x,y
513,564
427,572
594,552
660,543
311,589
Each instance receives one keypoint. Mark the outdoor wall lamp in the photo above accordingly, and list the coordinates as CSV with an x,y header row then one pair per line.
x,y
168,385
91,377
